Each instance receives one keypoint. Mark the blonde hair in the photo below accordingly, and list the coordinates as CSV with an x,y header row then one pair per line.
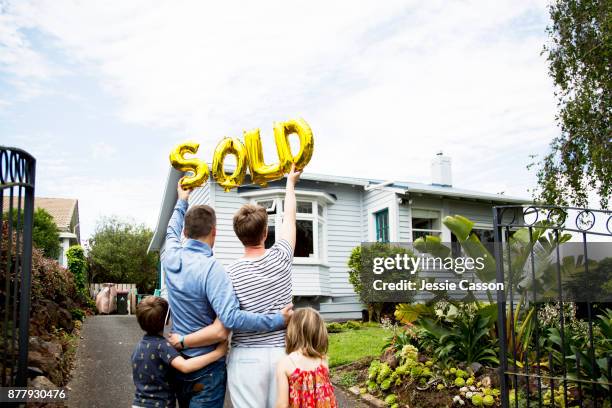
x,y
307,334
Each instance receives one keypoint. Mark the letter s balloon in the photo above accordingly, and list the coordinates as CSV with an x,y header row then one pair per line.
x,y
229,145
196,166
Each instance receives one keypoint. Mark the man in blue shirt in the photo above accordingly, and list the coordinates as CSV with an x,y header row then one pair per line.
x,y
199,292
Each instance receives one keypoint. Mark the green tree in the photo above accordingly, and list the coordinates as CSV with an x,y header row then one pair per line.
x,y
579,54
118,254
45,234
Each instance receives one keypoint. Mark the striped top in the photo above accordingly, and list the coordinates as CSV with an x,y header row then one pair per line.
x,y
263,285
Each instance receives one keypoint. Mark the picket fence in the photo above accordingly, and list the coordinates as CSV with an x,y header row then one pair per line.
x,y
95,288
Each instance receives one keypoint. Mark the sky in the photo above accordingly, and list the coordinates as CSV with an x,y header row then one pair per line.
x,y
100,92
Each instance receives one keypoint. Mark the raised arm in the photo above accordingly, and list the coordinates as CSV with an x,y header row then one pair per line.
x,y
224,302
175,225
288,227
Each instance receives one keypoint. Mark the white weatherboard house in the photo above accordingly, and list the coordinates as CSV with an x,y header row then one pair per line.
x,y
336,214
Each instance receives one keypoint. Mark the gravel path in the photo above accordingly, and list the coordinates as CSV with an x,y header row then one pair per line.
x,y
102,377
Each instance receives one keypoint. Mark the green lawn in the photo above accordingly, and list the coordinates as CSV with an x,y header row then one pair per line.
x,y
352,345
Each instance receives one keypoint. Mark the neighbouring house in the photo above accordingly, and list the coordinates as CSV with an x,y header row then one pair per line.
x,y
65,213
336,214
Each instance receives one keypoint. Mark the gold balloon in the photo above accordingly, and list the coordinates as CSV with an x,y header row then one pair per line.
x,y
229,145
196,166
262,173
282,130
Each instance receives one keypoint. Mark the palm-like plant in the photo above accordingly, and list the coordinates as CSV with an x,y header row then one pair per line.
x,y
574,349
530,251
469,339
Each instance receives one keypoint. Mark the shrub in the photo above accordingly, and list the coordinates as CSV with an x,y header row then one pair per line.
x,y
77,265
361,259
77,314
401,337
50,280
469,338
352,325
334,327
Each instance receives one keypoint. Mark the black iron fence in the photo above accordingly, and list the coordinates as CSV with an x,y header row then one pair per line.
x,y
554,317
17,173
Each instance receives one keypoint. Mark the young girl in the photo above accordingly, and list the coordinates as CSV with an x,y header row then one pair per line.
x,y
303,375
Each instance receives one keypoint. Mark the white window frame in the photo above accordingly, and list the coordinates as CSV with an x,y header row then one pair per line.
x,y
428,231
317,200
391,205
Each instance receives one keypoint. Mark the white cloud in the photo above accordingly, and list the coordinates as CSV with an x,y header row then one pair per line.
x,y
102,150
23,67
59,173
127,197
388,83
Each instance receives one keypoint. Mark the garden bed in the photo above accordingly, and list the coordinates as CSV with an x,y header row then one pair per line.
x,y
439,390
368,356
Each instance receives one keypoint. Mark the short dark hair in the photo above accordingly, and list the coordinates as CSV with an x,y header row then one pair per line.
x,y
199,221
250,224
151,314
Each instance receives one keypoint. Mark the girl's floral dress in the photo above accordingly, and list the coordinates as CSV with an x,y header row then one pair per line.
x,y
311,389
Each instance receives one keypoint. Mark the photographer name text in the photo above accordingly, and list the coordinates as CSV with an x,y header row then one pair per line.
x,y
407,285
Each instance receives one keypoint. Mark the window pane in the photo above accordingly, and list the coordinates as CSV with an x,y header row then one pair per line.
x,y
381,219
271,238
425,219
422,223
321,240
268,205
304,239
304,207
320,209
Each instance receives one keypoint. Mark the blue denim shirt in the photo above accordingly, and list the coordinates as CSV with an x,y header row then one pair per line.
x,y
199,289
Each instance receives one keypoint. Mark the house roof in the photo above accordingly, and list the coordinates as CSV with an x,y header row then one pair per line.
x,y
400,187
407,187
61,209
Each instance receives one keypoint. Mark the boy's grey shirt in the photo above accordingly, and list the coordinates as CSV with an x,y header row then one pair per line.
x,y
199,289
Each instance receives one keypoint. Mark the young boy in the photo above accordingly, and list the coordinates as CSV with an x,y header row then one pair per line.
x,y
153,357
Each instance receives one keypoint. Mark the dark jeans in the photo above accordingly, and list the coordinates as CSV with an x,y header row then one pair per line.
x,y
204,388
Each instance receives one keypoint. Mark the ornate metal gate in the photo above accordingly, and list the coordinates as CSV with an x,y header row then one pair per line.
x,y
17,173
547,357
